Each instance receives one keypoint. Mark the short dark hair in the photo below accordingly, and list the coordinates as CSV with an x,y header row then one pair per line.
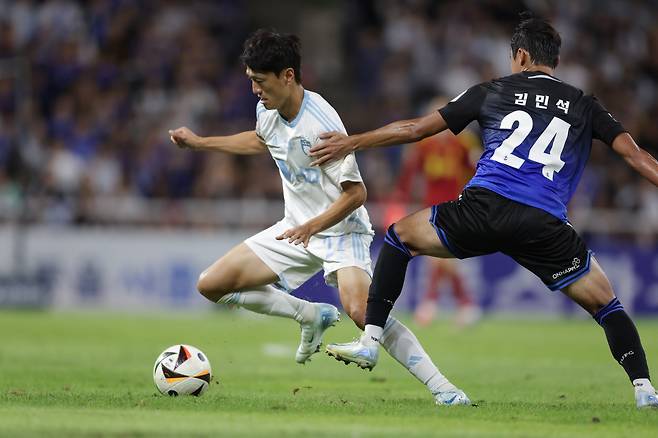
x,y
539,38
269,51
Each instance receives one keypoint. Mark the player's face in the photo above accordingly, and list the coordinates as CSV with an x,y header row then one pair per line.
x,y
273,90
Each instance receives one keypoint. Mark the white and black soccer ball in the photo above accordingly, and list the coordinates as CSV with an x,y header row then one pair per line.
x,y
182,370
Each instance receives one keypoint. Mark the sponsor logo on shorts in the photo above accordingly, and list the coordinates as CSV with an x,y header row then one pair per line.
x,y
575,264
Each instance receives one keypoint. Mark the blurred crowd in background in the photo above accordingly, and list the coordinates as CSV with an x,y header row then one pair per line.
x,y
88,90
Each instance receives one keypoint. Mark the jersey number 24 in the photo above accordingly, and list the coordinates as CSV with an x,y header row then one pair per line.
x,y
553,138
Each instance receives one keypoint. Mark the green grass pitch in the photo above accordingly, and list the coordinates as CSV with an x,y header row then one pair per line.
x,y
90,375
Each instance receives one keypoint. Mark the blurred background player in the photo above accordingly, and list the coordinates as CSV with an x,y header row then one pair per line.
x,y
325,226
442,164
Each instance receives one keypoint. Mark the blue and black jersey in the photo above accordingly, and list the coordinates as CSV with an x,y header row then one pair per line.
x,y
537,133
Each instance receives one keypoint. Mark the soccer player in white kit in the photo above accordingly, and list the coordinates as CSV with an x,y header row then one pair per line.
x,y
325,225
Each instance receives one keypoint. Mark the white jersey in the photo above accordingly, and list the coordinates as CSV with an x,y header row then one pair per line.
x,y
309,191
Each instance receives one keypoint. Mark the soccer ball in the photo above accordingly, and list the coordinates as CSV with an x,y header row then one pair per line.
x,y
182,370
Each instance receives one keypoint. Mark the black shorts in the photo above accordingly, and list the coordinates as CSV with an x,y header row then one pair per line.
x,y
483,222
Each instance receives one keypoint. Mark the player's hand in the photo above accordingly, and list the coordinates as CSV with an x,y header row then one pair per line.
x,y
184,137
300,234
333,146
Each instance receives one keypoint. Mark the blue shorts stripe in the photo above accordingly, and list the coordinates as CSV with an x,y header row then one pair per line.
x,y
395,244
392,239
435,212
433,219
439,231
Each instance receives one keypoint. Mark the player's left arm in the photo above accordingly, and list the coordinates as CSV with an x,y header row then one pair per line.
x,y
352,197
636,157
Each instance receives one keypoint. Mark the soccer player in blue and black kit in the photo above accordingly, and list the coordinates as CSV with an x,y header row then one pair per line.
x,y
537,132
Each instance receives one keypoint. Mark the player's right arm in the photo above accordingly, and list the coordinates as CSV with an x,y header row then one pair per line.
x,y
244,143
458,113
636,157
335,145
607,129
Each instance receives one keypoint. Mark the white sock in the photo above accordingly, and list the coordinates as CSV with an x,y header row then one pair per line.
x,y
372,334
269,300
643,384
404,347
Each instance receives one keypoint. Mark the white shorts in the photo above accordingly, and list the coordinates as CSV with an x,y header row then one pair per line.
x,y
295,264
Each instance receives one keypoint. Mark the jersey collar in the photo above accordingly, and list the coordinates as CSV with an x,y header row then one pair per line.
x,y
539,75
294,121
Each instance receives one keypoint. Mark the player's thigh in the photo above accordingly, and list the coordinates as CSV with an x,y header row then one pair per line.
x,y
238,269
353,285
592,291
419,235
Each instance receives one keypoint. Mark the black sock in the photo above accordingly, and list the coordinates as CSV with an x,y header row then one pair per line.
x,y
388,279
623,339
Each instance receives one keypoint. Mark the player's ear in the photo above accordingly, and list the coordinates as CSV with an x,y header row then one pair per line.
x,y
524,58
289,75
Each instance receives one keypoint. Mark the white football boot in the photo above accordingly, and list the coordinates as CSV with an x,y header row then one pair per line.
x,y
452,397
645,398
361,352
326,316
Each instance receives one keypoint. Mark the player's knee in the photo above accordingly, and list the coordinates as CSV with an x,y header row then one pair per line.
x,y
210,289
593,291
405,231
394,238
400,231
203,286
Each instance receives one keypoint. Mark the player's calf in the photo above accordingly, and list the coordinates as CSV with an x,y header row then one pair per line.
x,y
624,340
417,234
594,293
356,311
353,284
